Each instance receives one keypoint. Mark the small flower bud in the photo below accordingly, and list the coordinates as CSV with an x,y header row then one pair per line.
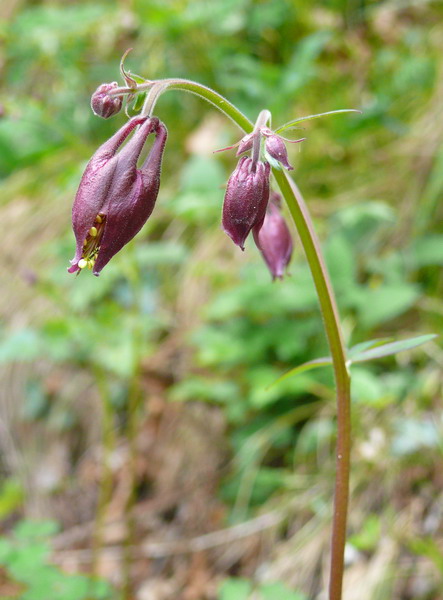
x,y
246,198
276,148
245,144
103,104
115,198
273,239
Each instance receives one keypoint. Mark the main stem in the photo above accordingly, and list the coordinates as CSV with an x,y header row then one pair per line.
x,y
328,305
311,245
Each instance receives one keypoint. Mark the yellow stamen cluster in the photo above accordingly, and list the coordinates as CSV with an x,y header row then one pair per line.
x,y
91,244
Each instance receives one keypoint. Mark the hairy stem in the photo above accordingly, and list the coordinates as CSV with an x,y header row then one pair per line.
x,y
261,121
331,319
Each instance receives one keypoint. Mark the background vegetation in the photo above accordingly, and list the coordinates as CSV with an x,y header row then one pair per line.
x,y
142,453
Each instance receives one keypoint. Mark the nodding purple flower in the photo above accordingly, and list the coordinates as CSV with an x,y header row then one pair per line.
x,y
273,239
246,199
103,104
115,198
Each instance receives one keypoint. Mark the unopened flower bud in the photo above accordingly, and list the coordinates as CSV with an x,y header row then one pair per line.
x,y
245,143
115,198
246,198
273,239
103,104
276,148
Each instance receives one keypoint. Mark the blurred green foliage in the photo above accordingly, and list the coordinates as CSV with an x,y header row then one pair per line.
x,y
26,559
373,182
242,589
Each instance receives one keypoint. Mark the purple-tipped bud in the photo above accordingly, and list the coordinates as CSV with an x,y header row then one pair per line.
x,y
115,198
103,104
276,148
273,239
246,199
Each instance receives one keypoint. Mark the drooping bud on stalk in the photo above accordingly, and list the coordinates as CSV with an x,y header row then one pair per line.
x,y
245,144
103,104
115,198
246,198
273,239
276,148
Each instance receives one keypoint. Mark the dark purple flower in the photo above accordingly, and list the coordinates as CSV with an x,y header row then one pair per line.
x,y
246,198
273,239
103,104
115,198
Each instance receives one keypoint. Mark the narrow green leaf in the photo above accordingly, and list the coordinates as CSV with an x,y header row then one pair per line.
x,y
392,348
358,348
362,352
307,366
295,122
138,78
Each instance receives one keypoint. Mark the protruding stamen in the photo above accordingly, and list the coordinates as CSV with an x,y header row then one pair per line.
x,y
91,245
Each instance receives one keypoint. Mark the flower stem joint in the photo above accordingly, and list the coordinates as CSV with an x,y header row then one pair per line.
x,y
115,198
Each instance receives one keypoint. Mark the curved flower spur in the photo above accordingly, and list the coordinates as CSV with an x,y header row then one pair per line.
x,y
115,198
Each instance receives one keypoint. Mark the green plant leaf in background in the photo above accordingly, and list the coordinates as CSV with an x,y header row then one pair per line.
x,y
11,497
278,591
307,366
235,588
26,559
